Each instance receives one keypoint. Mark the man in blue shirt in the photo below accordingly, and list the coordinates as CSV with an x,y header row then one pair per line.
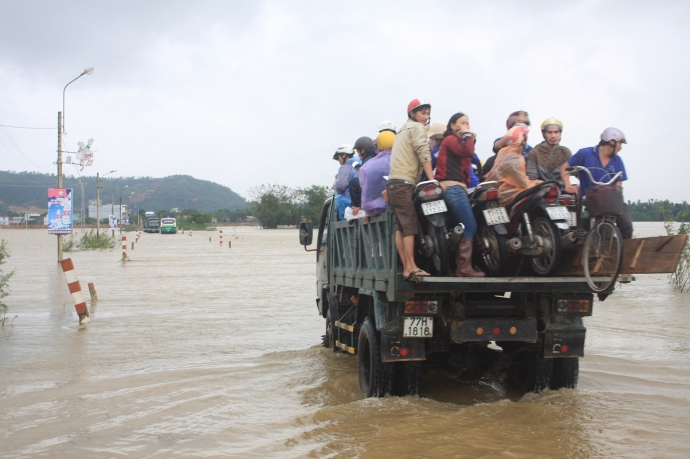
x,y
518,117
603,162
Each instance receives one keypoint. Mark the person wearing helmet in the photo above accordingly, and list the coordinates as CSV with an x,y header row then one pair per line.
x,y
409,157
371,175
603,162
510,170
544,161
519,117
366,150
345,157
387,125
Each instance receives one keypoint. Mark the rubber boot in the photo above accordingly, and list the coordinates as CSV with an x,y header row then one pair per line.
x,y
463,260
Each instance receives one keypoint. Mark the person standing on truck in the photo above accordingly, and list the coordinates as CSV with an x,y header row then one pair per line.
x,y
518,117
409,157
545,160
344,155
366,150
603,163
453,171
371,175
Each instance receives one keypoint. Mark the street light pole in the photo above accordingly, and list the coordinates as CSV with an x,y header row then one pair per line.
x,y
61,131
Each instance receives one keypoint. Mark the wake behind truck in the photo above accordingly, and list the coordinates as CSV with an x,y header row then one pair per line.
x,y
527,329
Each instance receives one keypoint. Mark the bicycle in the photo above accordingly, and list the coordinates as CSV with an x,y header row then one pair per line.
x,y
602,252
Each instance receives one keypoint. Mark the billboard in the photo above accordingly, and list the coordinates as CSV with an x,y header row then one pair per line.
x,y
60,210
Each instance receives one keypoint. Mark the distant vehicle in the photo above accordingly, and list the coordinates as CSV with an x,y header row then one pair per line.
x,y
168,226
153,225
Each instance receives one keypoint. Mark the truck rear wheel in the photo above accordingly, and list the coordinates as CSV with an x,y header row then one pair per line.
x,y
328,340
529,372
566,372
408,376
374,375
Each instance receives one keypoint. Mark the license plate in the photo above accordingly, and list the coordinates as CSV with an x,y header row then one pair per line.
x,y
434,207
572,221
419,327
495,216
558,213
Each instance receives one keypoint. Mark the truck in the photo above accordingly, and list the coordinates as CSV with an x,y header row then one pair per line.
x,y
526,330
151,222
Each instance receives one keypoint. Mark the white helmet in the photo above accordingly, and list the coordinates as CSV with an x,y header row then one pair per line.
x,y
344,149
387,125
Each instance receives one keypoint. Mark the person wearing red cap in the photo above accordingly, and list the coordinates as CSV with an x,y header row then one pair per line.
x,y
409,157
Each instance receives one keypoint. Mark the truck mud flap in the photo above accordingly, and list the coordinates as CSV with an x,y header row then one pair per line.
x,y
395,348
463,331
564,342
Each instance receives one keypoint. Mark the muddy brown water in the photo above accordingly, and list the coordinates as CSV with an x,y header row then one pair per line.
x,y
200,351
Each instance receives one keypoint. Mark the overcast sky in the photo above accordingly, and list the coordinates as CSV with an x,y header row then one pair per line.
x,y
245,93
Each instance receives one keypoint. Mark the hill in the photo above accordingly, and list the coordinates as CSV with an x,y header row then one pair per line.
x,y
26,192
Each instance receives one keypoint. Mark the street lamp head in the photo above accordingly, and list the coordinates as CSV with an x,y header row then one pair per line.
x,y
88,71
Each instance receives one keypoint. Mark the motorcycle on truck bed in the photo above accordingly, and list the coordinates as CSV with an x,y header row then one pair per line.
x,y
398,328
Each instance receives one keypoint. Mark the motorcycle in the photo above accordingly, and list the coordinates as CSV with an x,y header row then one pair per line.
x,y
489,252
437,237
537,228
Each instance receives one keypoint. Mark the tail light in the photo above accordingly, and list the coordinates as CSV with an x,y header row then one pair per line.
x,y
421,307
488,195
430,191
552,194
565,200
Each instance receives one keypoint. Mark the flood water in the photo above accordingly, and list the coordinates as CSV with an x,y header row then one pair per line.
x,y
197,350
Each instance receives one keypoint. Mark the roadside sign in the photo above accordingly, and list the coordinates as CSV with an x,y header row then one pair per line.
x,y
59,210
112,219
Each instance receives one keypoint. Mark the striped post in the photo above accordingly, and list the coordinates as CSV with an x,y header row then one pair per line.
x,y
75,290
209,239
94,295
221,237
124,248
190,232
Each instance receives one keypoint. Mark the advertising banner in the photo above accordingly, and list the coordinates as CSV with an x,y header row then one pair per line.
x,y
60,210
112,219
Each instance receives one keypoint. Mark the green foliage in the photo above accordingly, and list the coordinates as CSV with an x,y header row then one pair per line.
x,y
227,215
90,241
656,211
277,205
4,279
25,189
680,279
192,219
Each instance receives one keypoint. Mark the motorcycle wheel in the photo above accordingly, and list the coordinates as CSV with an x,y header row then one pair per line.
x,y
489,251
550,259
440,262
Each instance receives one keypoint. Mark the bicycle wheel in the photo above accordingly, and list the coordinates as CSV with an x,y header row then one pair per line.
x,y
602,256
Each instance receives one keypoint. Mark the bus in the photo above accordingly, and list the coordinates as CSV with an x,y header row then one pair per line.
x,y
168,225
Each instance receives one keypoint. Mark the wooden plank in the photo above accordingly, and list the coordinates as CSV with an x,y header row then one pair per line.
x,y
650,255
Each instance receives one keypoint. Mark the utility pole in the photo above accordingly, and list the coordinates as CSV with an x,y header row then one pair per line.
x,y
98,204
59,178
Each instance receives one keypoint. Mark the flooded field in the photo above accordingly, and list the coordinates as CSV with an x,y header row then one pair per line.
x,y
197,350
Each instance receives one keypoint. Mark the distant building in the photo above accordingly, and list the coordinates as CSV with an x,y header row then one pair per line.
x,y
4,220
106,209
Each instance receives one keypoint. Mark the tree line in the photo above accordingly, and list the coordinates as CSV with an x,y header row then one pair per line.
x,y
657,211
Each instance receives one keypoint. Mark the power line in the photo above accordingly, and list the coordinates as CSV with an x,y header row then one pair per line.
x,y
24,127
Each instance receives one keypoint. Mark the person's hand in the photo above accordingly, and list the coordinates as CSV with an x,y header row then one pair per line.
x,y
355,210
572,189
443,186
384,193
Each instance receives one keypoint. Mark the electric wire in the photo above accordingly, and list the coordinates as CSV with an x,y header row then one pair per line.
x,y
24,127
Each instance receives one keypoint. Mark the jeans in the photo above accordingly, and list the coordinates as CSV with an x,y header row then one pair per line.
x,y
459,207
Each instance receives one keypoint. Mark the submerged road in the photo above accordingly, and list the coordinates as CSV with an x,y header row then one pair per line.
x,y
200,351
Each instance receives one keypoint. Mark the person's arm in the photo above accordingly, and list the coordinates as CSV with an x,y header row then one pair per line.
x,y
565,177
532,166
355,194
342,182
500,143
463,148
420,145
428,170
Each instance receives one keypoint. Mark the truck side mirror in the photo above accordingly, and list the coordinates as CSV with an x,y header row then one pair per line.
x,y
306,233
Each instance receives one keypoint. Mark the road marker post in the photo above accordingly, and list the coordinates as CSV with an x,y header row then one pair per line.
x,y
75,290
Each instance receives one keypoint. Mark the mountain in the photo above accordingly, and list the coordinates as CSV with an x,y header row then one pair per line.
x,y
27,192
